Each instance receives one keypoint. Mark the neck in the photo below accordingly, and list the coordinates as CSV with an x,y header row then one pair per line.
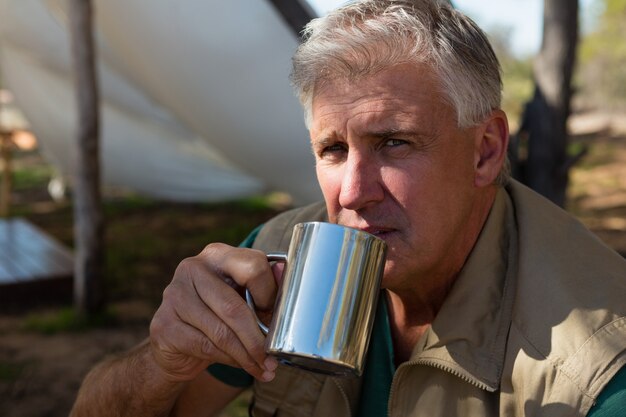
x,y
412,311
410,316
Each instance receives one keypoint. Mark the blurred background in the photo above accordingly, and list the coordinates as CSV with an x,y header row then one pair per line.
x,y
200,139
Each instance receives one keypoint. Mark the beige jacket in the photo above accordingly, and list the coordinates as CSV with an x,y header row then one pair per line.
x,y
534,326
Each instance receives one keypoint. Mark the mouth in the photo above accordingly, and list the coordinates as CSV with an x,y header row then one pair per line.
x,y
378,231
380,226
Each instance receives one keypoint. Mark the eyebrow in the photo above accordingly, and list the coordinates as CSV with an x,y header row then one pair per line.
x,y
376,135
325,141
391,132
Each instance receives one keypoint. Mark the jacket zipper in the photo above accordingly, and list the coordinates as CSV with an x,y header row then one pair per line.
x,y
344,395
462,376
437,365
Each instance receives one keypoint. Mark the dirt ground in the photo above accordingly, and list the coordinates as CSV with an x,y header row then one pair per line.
x,y
43,372
40,374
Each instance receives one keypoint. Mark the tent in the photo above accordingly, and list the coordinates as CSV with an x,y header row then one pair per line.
x,y
196,101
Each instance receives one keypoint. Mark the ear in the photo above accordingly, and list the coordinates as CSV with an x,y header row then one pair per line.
x,y
490,148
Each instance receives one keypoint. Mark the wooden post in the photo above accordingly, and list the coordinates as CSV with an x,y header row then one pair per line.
x,y
88,216
6,144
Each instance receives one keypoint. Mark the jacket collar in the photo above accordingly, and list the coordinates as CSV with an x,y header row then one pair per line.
x,y
468,336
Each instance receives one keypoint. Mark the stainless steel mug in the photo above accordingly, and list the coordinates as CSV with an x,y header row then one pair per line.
x,y
327,301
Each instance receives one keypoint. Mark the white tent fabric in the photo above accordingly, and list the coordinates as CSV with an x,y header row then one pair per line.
x,y
196,100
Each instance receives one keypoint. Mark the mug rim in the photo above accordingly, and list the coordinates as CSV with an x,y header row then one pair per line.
x,y
343,227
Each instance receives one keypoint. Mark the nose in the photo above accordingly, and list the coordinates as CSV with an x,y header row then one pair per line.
x,y
361,182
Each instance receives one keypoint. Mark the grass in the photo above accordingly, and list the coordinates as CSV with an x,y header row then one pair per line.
x,y
145,239
597,155
67,319
25,178
10,371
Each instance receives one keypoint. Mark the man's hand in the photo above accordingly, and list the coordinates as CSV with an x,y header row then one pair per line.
x,y
203,318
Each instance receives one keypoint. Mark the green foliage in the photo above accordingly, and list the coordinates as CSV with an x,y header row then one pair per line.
x,y
25,178
516,73
67,320
260,202
602,57
118,206
10,371
239,407
518,86
599,154
613,10
146,239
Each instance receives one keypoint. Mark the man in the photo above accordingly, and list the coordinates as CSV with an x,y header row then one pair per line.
x,y
495,302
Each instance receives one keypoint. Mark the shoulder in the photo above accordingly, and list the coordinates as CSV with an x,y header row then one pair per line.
x,y
276,233
565,274
569,317
557,252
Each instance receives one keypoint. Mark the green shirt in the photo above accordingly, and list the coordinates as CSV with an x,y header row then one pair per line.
x,y
380,368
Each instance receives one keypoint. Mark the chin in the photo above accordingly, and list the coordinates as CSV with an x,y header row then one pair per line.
x,y
389,276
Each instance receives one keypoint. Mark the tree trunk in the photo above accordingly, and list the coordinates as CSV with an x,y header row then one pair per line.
x,y
545,165
88,216
296,13
6,144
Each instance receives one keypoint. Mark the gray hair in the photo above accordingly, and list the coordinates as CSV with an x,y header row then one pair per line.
x,y
367,36
364,37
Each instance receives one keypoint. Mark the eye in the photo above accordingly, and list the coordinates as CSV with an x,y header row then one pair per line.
x,y
394,142
332,151
396,148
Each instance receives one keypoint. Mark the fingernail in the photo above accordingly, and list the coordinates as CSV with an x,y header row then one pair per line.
x,y
270,364
268,376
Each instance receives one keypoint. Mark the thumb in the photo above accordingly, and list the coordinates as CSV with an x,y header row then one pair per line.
x,y
278,268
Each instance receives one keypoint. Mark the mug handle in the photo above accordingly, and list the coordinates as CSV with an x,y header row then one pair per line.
x,y
271,257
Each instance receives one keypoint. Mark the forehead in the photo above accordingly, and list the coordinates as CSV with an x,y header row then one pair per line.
x,y
407,93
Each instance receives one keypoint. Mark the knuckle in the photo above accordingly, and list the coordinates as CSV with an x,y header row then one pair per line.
x,y
186,263
222,336
170,291
256,351
249,365
172,294
156,326
160,325
214,249
255,266
187,267
207,347
234,307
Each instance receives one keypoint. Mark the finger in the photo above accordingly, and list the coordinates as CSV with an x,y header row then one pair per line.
x,y
235,314
249,268
180,362
220,334
187,303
